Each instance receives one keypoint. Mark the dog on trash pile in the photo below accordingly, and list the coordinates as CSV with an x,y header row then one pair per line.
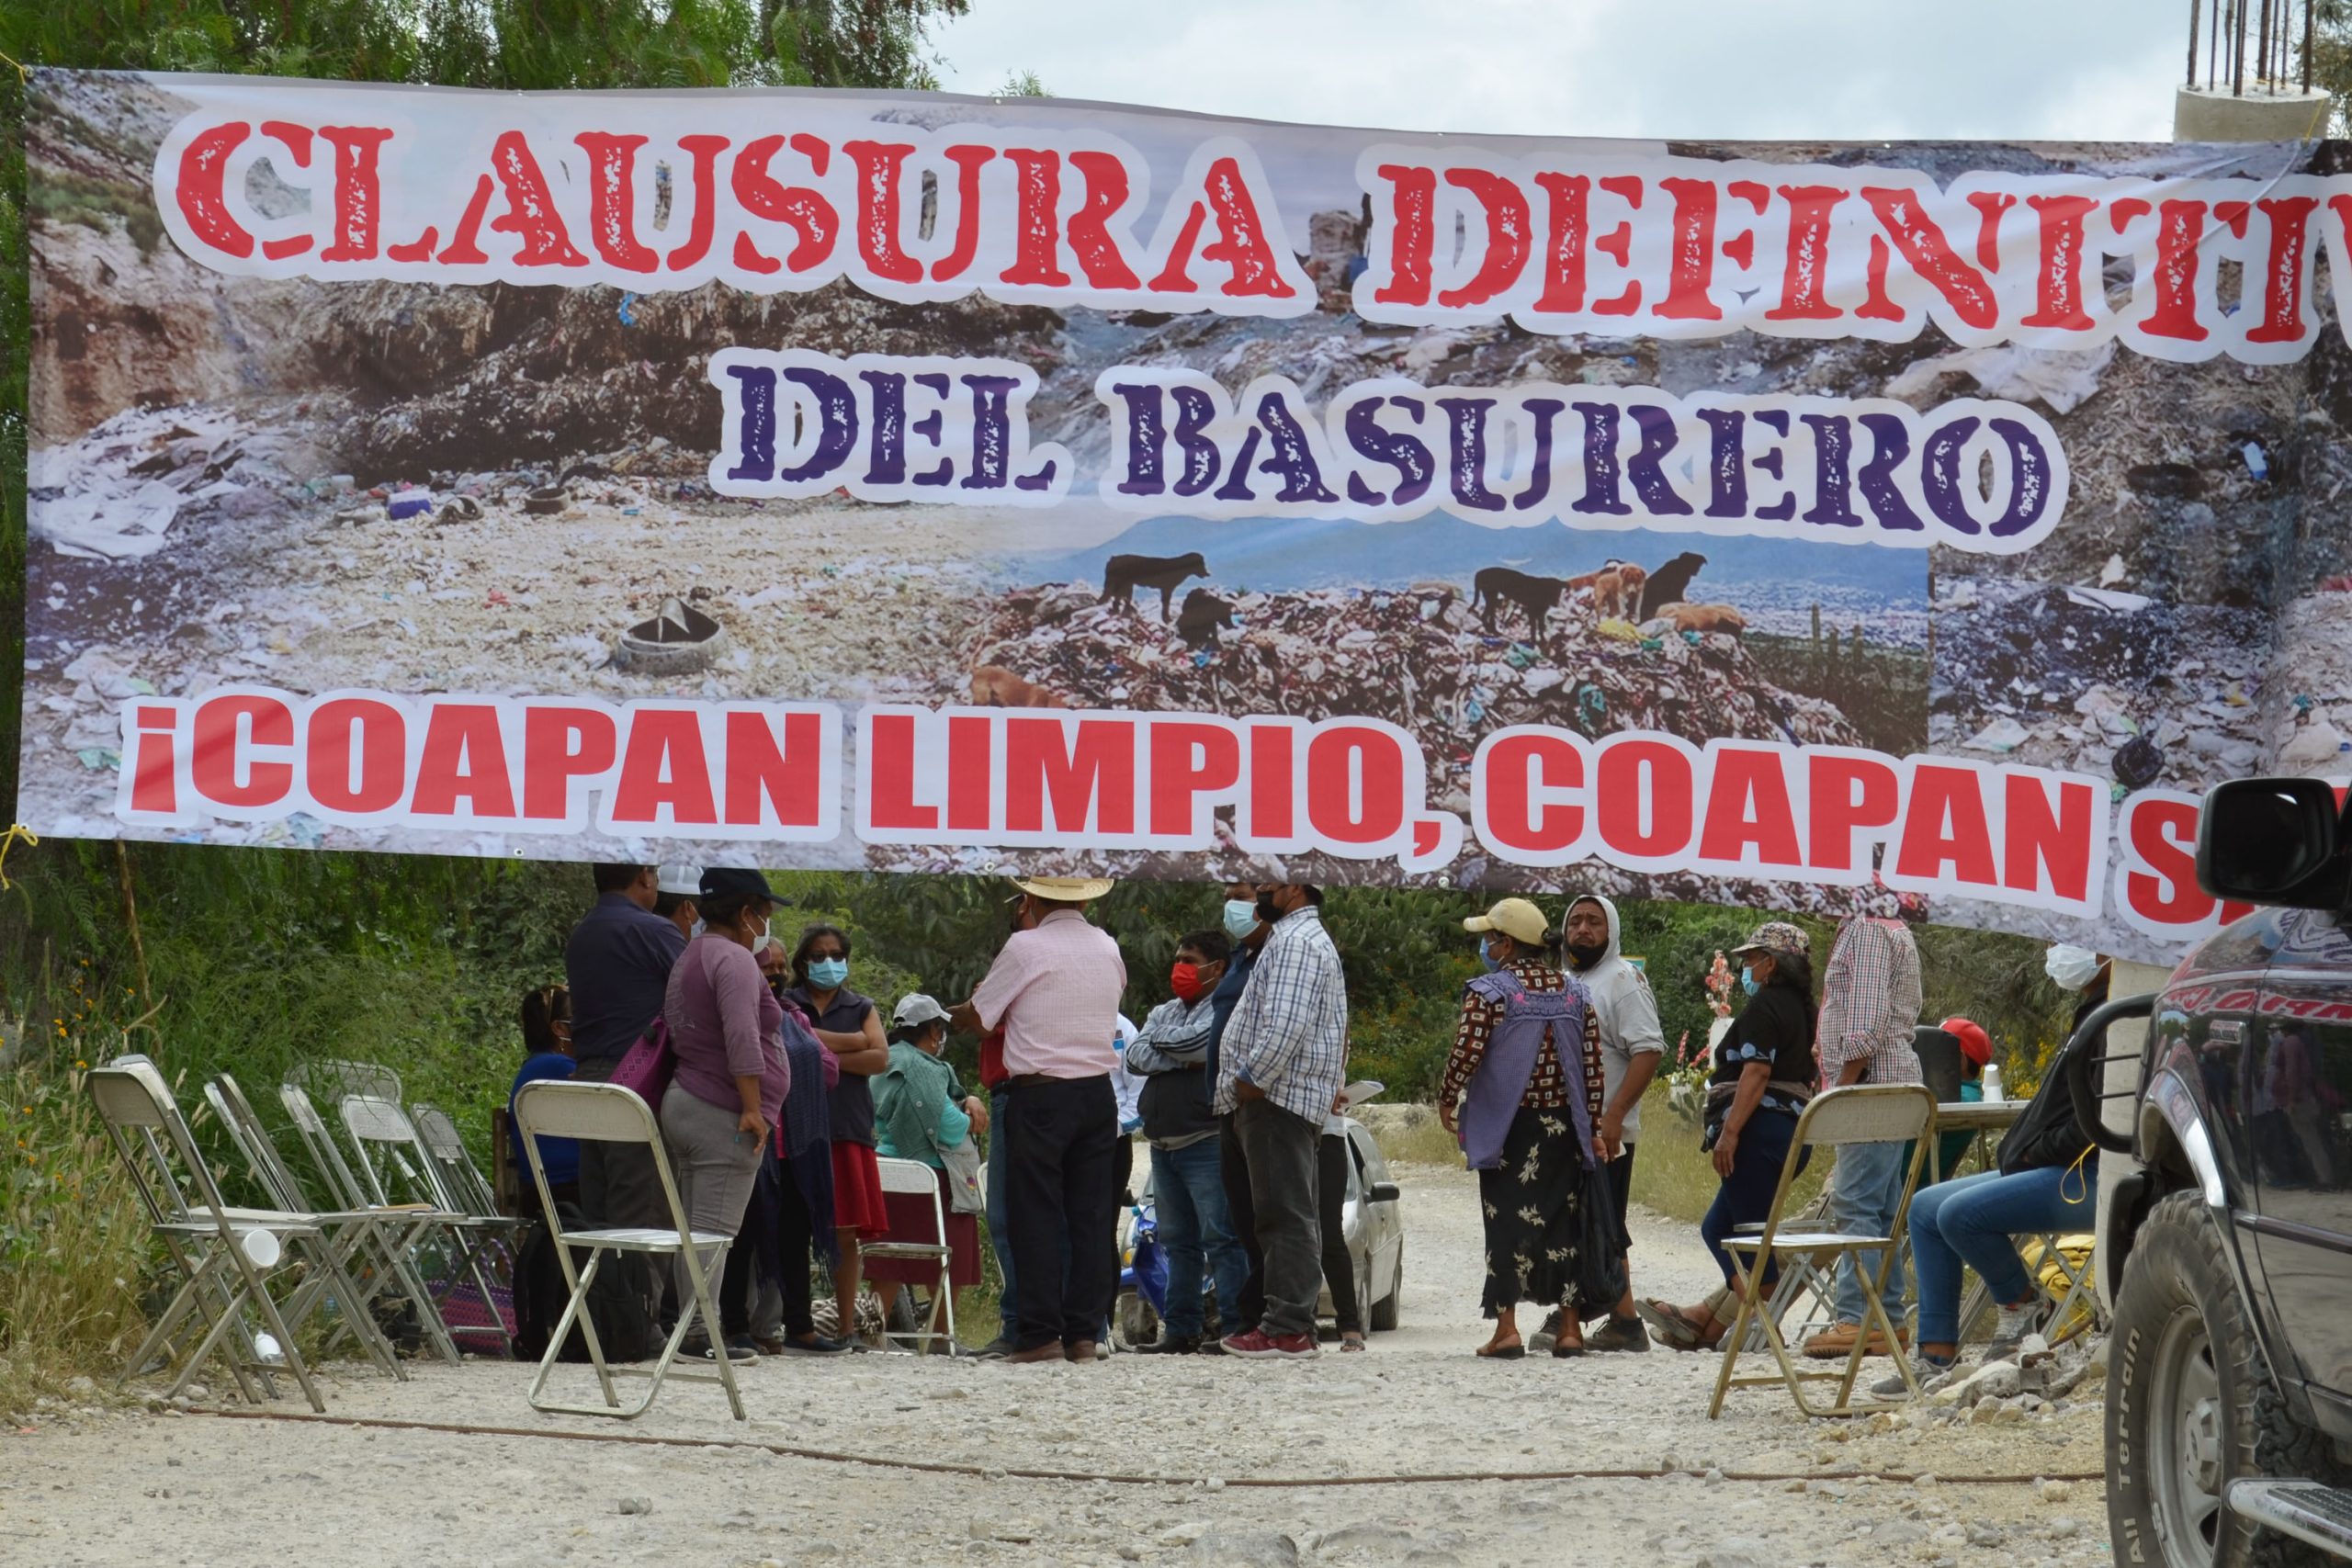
x,y
994,686
1668,584
1122,575
1702,618
1202,614
1616,589
1538,596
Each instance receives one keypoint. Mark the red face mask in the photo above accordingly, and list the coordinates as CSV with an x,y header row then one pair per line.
x,y
1185,979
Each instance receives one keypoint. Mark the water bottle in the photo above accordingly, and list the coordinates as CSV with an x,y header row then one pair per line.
x,y
1993,1095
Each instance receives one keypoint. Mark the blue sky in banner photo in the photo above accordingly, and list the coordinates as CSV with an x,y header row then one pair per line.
x,y
1734,69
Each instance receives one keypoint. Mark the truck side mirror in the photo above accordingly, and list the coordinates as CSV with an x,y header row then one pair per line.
x,y
2272,841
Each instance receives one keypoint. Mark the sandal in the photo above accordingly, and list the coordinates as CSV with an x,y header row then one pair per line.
x,y
1501,1352
1351,1342
1668,1325
1566,1350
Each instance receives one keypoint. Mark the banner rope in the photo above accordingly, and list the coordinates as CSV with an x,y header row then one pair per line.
x,y
22,73
17,832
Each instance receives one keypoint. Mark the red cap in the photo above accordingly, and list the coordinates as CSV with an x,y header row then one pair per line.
x,y
1974,1044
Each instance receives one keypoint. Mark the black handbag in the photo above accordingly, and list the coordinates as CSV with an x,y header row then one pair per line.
x,y
1601,1246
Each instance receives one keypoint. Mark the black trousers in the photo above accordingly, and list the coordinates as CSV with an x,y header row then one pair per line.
x,y
1062,1151
1241,1216
1331,1161
775,1203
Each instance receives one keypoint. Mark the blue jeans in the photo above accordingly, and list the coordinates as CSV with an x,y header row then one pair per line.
x,y
1971,1220
1000,1226
1869,1185
1746,1196
1188,1187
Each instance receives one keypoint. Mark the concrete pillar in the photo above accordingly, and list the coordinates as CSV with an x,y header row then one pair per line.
x,y
2269,112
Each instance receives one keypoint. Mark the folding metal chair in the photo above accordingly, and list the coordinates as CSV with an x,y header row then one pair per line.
x,y
608,1113
1882,1113
412,1225
912,1177
227,1257
394,1157
332,1080
461,1177
371,1244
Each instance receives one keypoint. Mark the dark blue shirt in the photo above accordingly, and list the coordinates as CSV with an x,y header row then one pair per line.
x,y
617,964
852,1106
559,1156
1228,992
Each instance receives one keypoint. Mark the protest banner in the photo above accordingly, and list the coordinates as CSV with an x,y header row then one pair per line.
x,y
911,482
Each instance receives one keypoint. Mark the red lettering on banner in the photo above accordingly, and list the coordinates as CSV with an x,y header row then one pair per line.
x,y
1273,771
1689,296
1355,784
971,768
1930,254
1805,277
2162,835
2064,257
1992,206
612,199
2180,231
201,189
2283,274
1189,761
1242,246
1036,220
1526,783
664,764
464,758
358,190
2047,843
1503,252
530,216
1748,803
1635,778
806,212
1090,240
1564,234
702,186
155,780
1073,779
968,161
217,765
881,170
1847,793
560,745
360,779
890,762
785,780
1945,824
1412,235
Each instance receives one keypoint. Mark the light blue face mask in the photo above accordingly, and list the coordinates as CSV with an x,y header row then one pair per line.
x,y
826,973
1488,959
1240,917
1748,980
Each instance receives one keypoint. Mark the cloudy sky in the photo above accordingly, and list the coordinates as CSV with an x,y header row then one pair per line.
x,y
1811,68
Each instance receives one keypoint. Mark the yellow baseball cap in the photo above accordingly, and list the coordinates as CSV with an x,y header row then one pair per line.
x,y
1517,919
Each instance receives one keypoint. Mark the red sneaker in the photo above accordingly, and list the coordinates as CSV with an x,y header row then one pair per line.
x,y
1295,1347
1258,1344
1253,1342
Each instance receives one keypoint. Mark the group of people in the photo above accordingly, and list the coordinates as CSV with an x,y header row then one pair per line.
x,y
787,1089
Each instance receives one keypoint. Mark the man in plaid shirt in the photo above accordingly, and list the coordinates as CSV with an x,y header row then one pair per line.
x,y
1281,1064
1869,1007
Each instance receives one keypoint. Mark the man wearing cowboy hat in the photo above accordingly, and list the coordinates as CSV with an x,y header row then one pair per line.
x,y
1055,987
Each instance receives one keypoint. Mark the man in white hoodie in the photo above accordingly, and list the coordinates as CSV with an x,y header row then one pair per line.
x,y
1631,1047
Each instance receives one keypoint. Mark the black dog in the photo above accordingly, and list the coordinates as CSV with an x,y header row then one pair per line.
x,y
1670,583
1122,575
1202,614
1538,596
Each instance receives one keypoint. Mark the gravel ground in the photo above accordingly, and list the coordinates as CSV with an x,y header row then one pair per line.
x,y
82,1486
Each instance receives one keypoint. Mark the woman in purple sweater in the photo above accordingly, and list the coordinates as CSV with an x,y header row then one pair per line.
x,y
726,1028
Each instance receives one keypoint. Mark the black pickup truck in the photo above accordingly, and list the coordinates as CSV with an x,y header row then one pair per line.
x,y
2225,1219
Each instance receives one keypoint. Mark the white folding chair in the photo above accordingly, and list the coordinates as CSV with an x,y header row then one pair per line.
x,y
395,1157
227,1257
461,1177
609,1113
913,1178
408,1226
369,1243
327,1079
1878,1113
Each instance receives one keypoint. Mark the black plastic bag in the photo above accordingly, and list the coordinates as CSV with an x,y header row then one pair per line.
x,y
1601,1246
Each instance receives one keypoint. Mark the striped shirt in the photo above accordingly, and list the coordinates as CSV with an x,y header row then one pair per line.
x,y
1288,1035
1869,1001
1056,989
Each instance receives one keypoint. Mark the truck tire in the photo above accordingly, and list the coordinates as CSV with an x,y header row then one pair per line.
x,y
2191,1406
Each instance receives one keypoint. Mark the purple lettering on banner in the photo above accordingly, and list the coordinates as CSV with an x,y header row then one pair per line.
x,y
755,423
1195,411
1890,445
1601,497
1465,420
1290,453
1647,470
1832,451
1543,412
1939,476
1147,435
1726,462
837,424
888,464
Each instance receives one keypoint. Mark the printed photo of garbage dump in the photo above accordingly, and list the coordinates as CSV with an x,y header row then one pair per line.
x,y
505,488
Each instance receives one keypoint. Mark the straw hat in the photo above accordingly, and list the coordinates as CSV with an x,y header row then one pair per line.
x,y
1064,889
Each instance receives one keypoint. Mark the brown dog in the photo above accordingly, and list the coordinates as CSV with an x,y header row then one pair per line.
x,y
994,686
1617,591
1703,618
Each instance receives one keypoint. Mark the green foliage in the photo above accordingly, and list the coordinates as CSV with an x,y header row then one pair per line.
x,y
1022,84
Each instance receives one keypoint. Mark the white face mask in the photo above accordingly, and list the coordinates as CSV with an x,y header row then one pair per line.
x,y
700,926
760,937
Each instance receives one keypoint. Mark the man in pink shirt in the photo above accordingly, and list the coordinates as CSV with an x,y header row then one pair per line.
x,y
1056,989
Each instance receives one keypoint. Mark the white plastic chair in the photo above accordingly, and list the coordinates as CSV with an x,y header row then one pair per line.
x,y
1875,1114
912,1177
608,1113
227,1257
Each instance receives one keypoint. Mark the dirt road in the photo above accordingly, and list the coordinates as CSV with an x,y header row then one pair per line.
x,y
202,1490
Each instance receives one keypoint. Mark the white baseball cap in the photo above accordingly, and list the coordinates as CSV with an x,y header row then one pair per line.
x,y
683,880
916,1008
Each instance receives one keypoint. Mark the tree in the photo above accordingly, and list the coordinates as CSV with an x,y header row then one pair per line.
x,y
2331,61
